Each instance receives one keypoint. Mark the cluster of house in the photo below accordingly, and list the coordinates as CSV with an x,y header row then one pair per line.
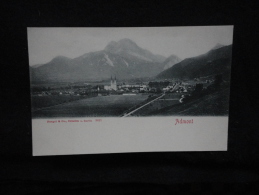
x,y
153,87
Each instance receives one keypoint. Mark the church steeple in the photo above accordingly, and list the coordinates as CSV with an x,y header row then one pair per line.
x,y
113,83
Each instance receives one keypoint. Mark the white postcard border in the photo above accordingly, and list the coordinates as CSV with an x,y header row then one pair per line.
x,y
132,134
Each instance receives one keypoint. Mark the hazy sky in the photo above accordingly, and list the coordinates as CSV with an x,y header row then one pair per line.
x,y
47,43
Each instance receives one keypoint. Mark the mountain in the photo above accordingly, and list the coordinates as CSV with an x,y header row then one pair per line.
x,y
170,61
216,61
128,48
217,46
56,68
124,58
36,65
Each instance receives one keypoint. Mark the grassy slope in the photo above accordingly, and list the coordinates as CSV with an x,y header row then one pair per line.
x,y
216,104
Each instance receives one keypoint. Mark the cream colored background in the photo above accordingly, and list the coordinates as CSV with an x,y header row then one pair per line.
x,y
118,135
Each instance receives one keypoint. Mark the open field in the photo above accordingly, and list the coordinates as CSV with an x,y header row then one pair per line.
x,y
165,101
102,106
38,102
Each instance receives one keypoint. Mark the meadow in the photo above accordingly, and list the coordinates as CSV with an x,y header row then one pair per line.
x,y
100,106
39,102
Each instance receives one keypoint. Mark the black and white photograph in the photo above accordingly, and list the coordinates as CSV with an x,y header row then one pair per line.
x,y
129,97
130,72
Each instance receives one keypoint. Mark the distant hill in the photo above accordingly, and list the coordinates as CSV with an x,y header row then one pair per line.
x,y
36,65
124,58
170,61
217,46
216,61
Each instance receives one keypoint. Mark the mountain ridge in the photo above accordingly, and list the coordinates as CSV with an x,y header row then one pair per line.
x,y
215,61
123,58
170,61
127,60
126,47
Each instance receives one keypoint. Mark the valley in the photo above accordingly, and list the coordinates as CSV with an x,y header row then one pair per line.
x,y
125,80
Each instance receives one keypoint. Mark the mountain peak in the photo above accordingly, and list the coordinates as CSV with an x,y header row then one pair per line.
x,y
174,56
61,58
126,41
217,46
129,49
171,61
123,44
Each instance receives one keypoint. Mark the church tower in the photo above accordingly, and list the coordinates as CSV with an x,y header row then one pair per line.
x,y
113,83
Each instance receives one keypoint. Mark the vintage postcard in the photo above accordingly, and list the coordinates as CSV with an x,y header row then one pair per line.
x,y
116,90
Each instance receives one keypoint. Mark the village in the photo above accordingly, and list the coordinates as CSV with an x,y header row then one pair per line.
x,y
120,98
121,88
